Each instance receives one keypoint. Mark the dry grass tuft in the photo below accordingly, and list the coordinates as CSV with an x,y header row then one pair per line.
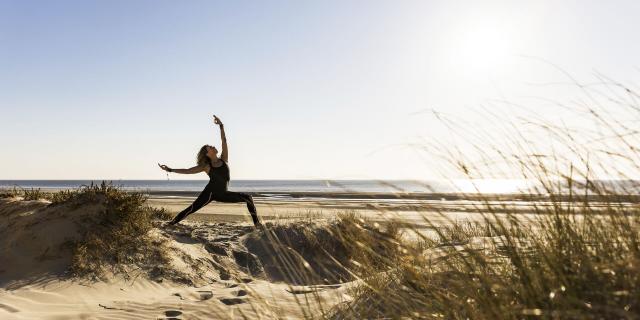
x,y
116,240
26,194
9,192
308,253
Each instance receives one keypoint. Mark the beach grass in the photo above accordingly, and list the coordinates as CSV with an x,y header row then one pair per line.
x,y
9,192
560,268
305,253
116,239
26,194
577,256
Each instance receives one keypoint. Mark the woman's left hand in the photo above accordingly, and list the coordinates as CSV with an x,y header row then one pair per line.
x,y
216,120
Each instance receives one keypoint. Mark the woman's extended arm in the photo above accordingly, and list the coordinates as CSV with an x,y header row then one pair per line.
x,y
191,170
225,153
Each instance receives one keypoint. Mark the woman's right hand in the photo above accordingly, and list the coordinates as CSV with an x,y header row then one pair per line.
x,y
163,167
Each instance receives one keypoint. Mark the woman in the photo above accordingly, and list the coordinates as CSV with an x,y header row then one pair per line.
x,y
218,172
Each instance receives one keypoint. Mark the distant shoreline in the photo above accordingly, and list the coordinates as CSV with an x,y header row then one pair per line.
x,y
346,195
426,190
634,198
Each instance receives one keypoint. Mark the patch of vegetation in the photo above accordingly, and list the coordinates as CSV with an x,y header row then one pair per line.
x,y
570,269
26,194
160,213
117,238
306,253
576,255
34,194
9,192
460,232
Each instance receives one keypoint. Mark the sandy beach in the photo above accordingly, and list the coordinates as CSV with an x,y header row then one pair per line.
x,y
213,271
418,212
207,247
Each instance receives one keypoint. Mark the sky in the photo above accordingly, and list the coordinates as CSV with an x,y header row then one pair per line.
x,y
306,90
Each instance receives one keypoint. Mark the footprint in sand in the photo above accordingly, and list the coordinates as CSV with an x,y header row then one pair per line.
x,y
178,295
240,293
205,295
172,314
232,301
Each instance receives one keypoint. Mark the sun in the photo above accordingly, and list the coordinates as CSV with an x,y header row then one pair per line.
x,y
480,48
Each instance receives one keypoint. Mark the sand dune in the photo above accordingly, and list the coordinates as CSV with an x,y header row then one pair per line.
x,y
212,274
293,269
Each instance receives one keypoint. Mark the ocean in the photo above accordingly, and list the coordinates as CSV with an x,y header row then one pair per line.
x,y
328,186
493,186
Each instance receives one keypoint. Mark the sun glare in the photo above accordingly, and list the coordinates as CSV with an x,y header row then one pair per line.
x,y
481,48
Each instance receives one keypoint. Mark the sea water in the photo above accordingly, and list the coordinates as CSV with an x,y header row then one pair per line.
x,y
493,186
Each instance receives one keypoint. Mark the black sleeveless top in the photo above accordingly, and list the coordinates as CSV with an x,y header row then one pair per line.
x,y
219,175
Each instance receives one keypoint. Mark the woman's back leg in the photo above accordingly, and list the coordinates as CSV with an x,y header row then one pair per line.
x,y
232,197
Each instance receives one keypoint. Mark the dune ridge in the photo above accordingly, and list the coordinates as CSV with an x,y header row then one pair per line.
x,y
204,271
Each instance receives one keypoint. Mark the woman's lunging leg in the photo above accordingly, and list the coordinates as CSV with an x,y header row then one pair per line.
x,y
202,200
230,196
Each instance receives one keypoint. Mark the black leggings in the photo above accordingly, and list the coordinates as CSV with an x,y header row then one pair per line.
x,y
220,195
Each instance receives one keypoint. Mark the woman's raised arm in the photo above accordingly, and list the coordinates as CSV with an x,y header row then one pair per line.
x,y
225,153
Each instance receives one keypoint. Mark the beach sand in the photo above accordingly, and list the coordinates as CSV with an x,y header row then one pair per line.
x,y
208,249
34,285
416,214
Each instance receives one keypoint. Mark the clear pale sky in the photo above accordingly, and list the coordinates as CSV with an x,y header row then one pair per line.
x,y
329,89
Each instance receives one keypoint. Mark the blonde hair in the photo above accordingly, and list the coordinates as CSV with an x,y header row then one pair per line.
x,y
202,159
